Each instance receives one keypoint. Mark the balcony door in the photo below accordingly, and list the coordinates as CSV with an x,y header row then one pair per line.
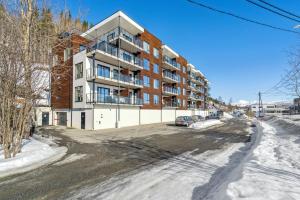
x,y
103,95
103,71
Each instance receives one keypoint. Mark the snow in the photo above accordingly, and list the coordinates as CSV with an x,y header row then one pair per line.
x,y
271,171
292,119
173,179
35,152
205,124
227,116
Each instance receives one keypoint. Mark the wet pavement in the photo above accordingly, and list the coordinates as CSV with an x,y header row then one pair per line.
x,y
89,163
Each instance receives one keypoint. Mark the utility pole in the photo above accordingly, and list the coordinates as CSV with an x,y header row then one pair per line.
x,y
260,105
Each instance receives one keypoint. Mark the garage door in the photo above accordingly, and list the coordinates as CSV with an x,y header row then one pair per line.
x,y
62,118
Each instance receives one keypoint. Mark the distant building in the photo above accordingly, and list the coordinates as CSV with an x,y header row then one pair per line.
x,y
270,108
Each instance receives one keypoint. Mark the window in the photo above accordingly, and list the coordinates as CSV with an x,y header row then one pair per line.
x,y
146,64
178,90
103,71
67,54
155,68
78,94
156,84
82,47
146,98
146,47
79,70
103,95
146,81
183,91
183,80
183,69
155,52
156,99
183,103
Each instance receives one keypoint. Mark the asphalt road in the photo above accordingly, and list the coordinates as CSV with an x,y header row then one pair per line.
x,y
88,163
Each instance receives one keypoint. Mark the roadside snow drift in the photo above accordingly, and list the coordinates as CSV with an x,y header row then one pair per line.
x,y
205,124
34,154
272,171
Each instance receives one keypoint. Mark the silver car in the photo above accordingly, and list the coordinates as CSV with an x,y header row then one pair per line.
x,y
184,121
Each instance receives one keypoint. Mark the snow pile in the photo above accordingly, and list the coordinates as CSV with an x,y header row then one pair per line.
x,y
292,119
272,171
205,124
227,116
34,154
177,178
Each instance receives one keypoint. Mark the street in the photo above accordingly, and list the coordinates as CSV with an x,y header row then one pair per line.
x,y
89,164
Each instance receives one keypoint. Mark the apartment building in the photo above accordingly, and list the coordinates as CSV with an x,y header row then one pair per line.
x,y
119,74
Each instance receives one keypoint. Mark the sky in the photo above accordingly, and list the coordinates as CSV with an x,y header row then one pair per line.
x,y
238,58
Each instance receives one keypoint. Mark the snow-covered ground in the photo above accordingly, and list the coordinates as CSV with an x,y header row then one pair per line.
x,y
227,116
174,179
272,170
35,153
205,124
293,119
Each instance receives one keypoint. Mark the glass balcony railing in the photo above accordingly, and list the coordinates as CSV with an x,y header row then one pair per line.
x,y
171,62
113,99
171,104
170,90
174,77
114,76
113,51
121,32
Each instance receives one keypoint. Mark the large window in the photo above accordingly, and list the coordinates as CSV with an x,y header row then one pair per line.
x,y
183,80
155,52
79,70
103,95
183,103
156,99
178,90
155,68
156,84
183,91
78,94
103,71
146,98
146,47
183,69
146,81
146,64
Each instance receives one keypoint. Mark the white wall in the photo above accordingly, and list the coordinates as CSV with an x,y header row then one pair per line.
x,y
168,115
105,117
150,116
39,111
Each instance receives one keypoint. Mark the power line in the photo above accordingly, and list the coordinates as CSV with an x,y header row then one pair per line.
x,y
282,10
242,18
273,11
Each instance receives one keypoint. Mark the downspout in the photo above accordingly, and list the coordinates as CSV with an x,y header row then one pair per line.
x,y
93,109
119,74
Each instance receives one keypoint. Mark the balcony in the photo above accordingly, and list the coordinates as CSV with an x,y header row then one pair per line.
x,y
115,79
170,63
110,99
200,89
169,91
129,42
171,104
112,55
169,77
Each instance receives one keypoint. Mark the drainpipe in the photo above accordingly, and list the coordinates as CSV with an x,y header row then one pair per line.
x,y
93,117
119,74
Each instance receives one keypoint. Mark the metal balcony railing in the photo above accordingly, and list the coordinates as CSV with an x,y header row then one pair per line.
x,y
110,99
171,104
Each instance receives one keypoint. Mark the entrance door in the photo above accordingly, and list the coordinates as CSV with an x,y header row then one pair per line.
x,y
45,118
82,120
62,118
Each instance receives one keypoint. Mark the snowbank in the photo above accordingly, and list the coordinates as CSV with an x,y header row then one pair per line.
x,y
292,119
34,154
272,171
227,116
205,124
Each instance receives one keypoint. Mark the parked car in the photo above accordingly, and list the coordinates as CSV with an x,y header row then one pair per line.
x,y
197,118
183,121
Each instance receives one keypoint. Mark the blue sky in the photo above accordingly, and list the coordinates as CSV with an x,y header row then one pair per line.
x,y
238,58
